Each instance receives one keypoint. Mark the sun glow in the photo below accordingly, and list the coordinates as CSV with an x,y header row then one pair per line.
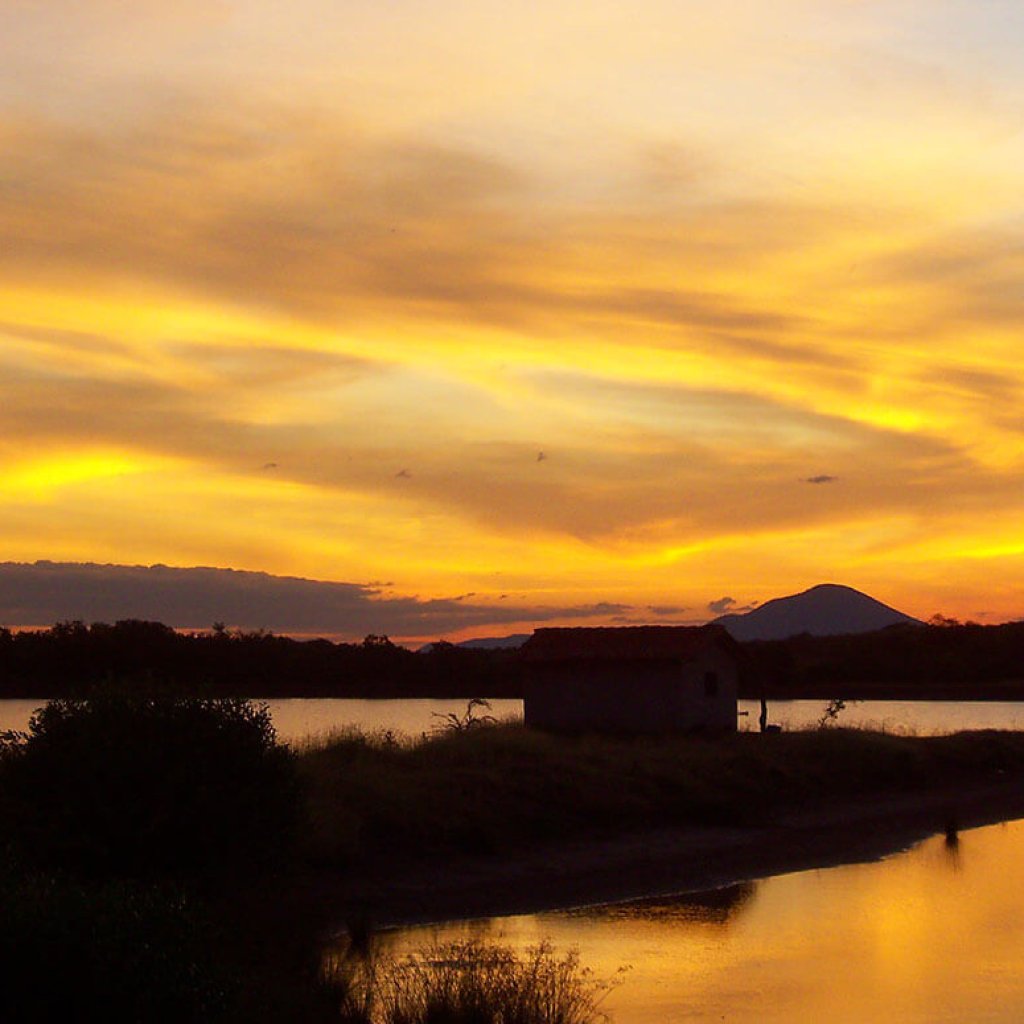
x,y
41,479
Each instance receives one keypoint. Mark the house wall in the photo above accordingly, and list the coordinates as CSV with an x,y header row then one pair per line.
x,y
639,696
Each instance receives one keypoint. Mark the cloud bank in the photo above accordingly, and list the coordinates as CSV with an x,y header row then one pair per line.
x,y
194,598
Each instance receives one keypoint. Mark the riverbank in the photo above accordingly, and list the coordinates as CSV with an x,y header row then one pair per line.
x,y
600,820
557,876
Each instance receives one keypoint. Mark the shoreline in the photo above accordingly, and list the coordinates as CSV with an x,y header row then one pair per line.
x,y
672,861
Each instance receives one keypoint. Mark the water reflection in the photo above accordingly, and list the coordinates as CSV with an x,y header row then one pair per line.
x,y
300,719
297,719
933,935
714,907
902,717
953,854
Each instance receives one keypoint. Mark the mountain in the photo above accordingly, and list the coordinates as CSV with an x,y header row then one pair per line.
x,y
490,643
486,643
825,610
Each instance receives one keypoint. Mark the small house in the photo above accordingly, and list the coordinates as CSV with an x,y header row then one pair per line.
x,y
634,679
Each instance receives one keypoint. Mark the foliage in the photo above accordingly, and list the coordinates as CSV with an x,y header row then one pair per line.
x,y
469,982
469,719
133,786
833,709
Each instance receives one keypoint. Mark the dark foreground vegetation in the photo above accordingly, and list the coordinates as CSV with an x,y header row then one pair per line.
x,y
945,660
128,786
126,822
150,845
468,982
492,790
146,844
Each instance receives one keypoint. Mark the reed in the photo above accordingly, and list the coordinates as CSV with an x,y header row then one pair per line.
x,y
468,982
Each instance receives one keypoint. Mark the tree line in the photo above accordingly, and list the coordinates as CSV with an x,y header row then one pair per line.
x,y
944,659
72,658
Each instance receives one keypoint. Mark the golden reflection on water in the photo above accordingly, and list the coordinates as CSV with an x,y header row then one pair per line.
x,y
932,935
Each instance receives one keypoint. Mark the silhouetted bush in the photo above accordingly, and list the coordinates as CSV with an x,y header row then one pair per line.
x,y
469,982
159,787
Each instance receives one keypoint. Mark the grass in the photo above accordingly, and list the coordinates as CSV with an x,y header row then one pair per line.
x,y
488,790
467,982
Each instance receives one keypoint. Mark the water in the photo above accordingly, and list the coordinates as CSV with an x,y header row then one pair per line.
x,y
921,717
929,936
298,719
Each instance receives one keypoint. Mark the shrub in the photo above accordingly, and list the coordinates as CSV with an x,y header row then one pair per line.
x,y
469,982
140,786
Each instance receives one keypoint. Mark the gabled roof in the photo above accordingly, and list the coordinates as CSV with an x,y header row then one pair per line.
x,y
655,643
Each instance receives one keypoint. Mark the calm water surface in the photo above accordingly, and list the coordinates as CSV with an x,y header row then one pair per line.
x,y
298,719
922,717
932,935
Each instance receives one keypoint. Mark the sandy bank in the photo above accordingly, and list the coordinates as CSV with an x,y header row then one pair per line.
x,y
560,875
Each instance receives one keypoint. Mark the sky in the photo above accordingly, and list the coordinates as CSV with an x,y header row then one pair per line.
x,y
563,310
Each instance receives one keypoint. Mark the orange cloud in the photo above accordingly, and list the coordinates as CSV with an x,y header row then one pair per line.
x,y
692,258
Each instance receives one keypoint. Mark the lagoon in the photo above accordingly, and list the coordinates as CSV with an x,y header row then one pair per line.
x,y
927,936
300,719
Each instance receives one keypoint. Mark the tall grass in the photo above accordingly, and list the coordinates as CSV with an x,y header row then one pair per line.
x,y
468,982
485,791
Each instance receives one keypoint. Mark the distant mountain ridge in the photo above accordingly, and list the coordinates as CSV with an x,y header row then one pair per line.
x,y
486,643
491,643
828,609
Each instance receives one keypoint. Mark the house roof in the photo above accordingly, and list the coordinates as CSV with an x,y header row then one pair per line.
x,y
623,642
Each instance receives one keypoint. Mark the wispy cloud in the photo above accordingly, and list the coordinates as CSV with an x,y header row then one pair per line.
x,y
508,312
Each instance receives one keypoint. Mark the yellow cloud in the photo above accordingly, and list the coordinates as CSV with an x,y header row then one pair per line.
x,y
566,306
41,479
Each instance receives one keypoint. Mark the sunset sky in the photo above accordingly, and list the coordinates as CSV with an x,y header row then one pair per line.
x,y
584,310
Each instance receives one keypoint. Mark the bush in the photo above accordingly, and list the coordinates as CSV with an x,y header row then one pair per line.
x,y
469,982
149,787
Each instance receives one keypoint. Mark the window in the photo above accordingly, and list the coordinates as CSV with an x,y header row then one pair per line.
x,y
710,684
